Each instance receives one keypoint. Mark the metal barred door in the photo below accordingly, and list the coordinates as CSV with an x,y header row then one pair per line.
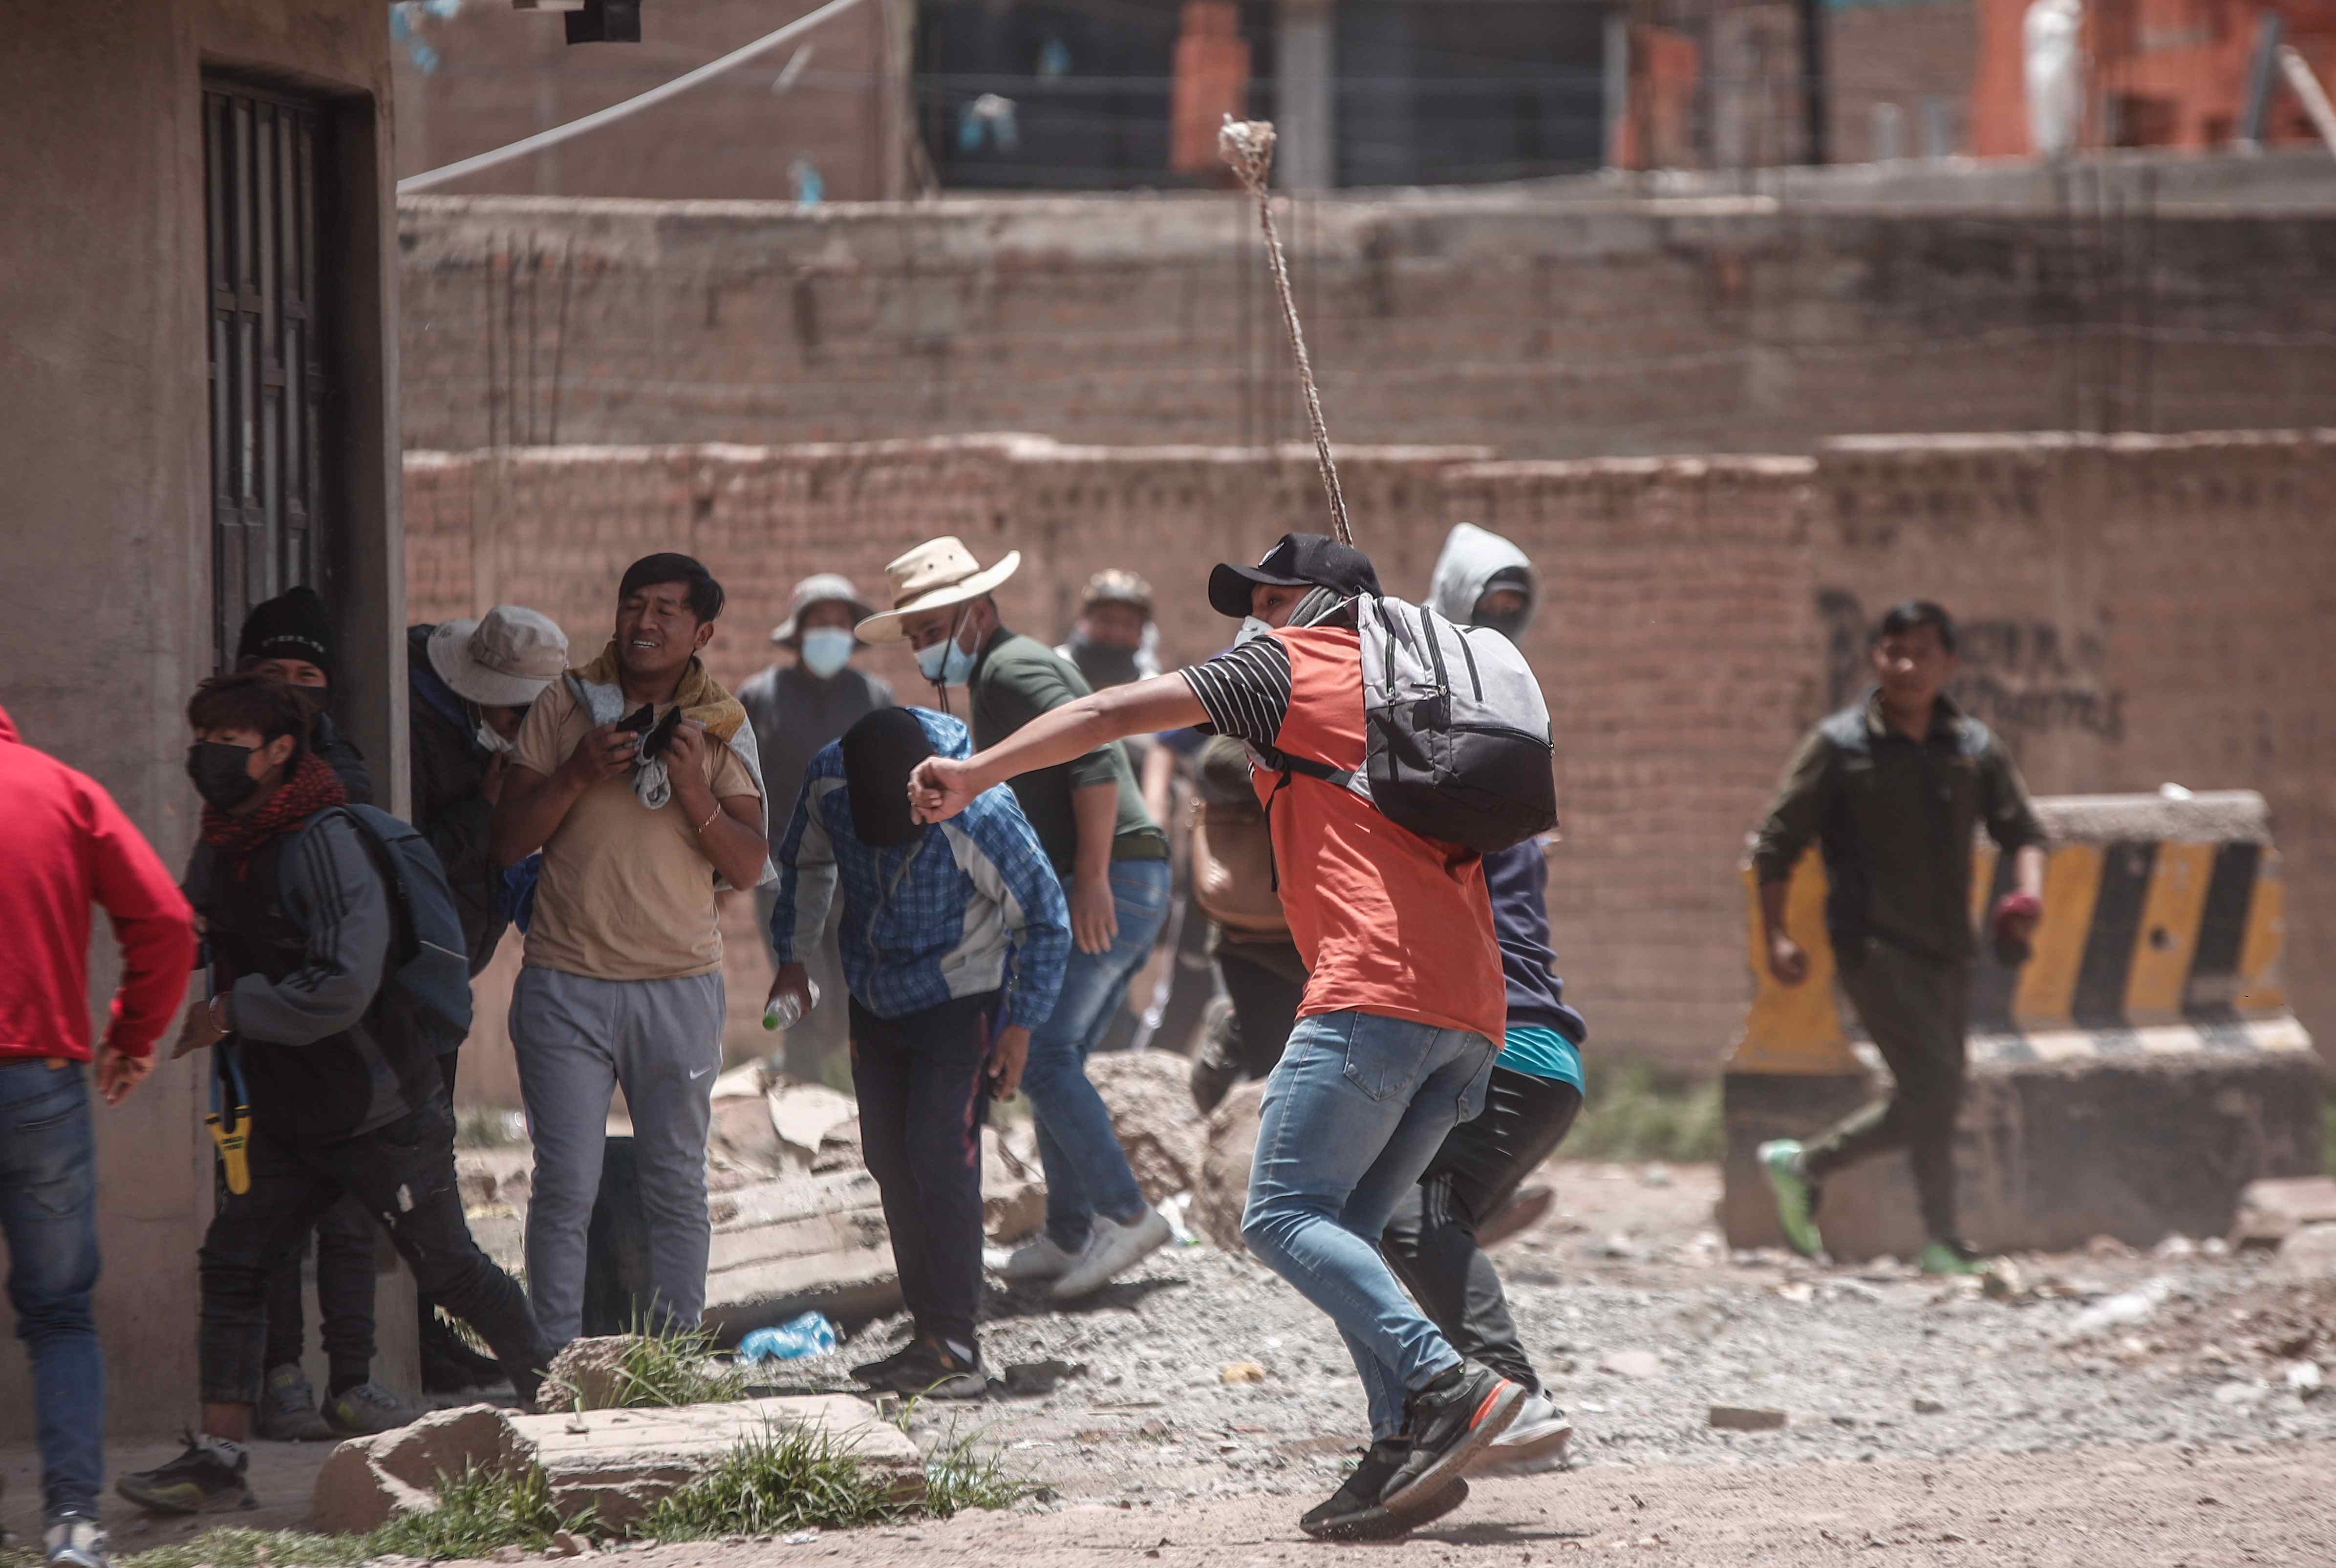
x,y
267,380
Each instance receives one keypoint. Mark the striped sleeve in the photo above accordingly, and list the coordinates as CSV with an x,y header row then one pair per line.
x,y
1245,690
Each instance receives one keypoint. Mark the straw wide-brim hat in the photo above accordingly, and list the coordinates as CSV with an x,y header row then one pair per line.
x,y
825,588
937,574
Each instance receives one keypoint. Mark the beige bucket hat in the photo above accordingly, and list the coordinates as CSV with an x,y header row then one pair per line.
x,y
503,659
823,587
937,574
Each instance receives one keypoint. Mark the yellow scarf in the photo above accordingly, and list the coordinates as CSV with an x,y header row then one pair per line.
x,y
702,699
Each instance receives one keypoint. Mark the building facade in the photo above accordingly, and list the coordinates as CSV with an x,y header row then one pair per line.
x,y
198,387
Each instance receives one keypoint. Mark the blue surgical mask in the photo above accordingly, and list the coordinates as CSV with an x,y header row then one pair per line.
x,y
826,650
945,663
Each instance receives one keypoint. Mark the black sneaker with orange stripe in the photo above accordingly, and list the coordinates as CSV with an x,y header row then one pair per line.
x,y
1451,1422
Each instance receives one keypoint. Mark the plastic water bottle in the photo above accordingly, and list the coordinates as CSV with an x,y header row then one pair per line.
x,y
809,1335
784,1012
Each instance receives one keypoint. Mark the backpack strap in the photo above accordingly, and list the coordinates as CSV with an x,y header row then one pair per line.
x,y
404,940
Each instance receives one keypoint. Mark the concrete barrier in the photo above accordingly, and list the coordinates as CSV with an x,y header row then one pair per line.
x,y
2130,1079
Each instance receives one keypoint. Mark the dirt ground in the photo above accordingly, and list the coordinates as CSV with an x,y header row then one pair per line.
x,y
2117,1409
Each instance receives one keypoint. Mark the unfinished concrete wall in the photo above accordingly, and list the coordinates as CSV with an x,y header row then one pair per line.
x,y
1540,324
2136,611
104,395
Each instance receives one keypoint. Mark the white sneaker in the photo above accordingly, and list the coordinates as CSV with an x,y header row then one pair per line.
x,y
1536,1441
73,1541
1112,1249
1041,1260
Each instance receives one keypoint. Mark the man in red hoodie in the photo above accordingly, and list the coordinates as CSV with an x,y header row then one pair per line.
x,y
63,846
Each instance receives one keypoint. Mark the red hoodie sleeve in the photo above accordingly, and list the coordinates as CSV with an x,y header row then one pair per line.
x,y
152,922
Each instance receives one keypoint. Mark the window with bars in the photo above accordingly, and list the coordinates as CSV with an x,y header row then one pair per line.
x,y
266,362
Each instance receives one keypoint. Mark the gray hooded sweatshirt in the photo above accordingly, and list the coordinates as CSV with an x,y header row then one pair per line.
x,y
1470,555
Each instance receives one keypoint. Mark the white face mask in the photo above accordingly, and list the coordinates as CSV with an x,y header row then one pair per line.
x,y
1251,628
827,649
491,738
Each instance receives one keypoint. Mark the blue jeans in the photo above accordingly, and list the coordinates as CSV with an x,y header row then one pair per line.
x,y
48,1211
1086,1172
1352,1115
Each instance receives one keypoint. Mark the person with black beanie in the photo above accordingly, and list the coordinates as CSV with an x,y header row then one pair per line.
x,y
290,637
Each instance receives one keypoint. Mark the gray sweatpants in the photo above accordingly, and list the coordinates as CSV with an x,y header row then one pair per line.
x,y
577,1038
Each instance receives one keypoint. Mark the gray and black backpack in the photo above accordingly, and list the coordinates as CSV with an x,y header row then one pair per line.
x,y
1457,743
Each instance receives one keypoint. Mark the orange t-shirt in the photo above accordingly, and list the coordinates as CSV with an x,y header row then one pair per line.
x,y
1388,922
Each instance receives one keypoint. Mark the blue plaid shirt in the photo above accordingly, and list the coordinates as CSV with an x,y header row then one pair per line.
x,y
971,906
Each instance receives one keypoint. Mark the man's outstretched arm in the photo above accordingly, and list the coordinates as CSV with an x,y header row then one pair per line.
x,y
942,787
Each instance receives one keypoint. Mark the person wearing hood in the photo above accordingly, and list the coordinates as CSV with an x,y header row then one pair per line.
x,y
469,686
1112,861
955,938
637,776
797,706
1433,1243
290,637
65,846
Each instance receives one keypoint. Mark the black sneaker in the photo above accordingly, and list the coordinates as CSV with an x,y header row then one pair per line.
x,y
930,1370
208,1478
287,1412
449,1364
877,1374
1451,1422
1354,1511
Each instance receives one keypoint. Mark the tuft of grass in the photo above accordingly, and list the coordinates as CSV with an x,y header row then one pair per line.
x,y
232,1548
664,1366
1630,1111
787,1479
478,1513
959,1476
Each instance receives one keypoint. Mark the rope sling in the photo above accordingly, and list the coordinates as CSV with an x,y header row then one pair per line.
x,y
1247,148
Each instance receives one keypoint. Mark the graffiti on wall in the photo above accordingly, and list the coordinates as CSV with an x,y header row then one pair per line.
x,y
2017,676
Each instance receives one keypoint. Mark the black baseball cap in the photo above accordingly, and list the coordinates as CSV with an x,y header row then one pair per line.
x,y
1299,560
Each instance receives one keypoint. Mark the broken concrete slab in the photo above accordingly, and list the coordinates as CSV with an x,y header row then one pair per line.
x,y
2309,1253
619,1463
802,1115
804,1242
1232,1144
2270,1211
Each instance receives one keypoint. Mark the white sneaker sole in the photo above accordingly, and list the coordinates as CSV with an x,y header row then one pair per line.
x,y
1523,1450
1126,1248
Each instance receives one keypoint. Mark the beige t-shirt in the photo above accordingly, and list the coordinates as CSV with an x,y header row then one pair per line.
x,y
626,892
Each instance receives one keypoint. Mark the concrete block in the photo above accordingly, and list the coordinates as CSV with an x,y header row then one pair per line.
x,y
618,1462
2270,1212
1224,1188
1150,1097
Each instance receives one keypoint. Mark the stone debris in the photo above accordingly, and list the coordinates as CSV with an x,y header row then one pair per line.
x,y
2127,1307
1746,1418
1150,1097
2272,1211
2309,1253
1223,1191
1925,1406
2002,1280
2304,1378
566,1543
621,1464
1031,1378
1637,1364
800,1115
1240,1372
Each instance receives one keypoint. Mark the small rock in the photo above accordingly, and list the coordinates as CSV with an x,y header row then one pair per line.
x,y
566,1543
1240,1372
1746,1418
1634,1364
2176,1245
510,1554
2305,1378
1655,1175
2236,1393
2108,1246
1618,1246
1924,1406
799,1538
2002,1280
2214,1247
1030,1378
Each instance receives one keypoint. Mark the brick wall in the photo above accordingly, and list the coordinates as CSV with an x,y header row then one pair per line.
x,y
1543,328
2136,611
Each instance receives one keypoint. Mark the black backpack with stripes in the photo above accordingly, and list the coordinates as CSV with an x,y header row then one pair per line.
x,y
1456,735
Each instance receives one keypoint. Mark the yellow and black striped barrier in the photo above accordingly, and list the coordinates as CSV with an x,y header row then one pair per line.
x,y
2164,922
2129,1080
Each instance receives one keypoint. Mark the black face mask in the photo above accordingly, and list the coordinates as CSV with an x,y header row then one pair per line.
x,y
217,770
1511,626
1104,663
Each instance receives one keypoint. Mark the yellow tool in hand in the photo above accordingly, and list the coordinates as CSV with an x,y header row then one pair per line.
x,y
232,1137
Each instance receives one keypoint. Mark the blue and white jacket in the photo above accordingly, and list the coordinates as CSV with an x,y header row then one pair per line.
x,y
972,906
